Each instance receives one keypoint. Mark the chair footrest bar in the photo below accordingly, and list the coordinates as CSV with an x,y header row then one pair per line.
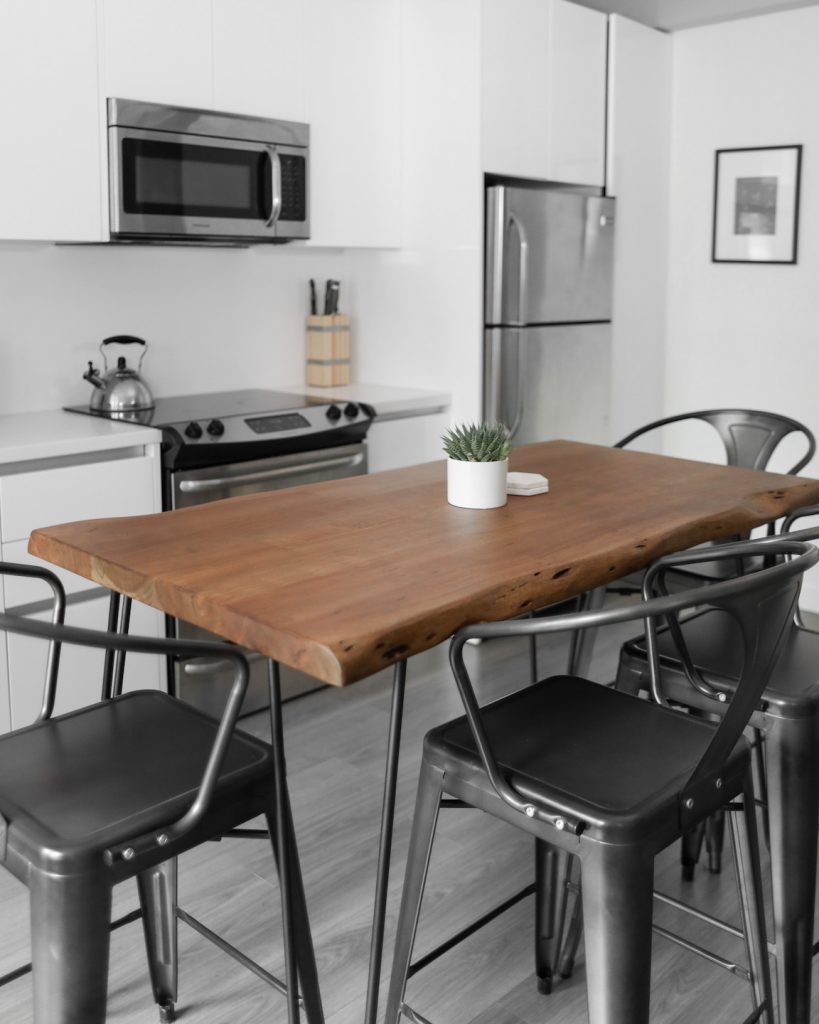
x,y
490,915
246,833
413,1015
694,912
19,972
232,951
757,1013
450,802
706,954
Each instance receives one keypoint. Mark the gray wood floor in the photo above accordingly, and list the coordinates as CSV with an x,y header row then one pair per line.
x,y
336,743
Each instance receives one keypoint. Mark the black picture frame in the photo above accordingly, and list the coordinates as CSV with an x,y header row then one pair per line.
x,y
756,204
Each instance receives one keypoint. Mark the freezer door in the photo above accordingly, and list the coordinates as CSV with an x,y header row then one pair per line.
x,y
549,256
549,382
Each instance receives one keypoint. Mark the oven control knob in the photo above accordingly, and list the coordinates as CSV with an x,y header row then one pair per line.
x,y
333,412
193,429
351,410
215,428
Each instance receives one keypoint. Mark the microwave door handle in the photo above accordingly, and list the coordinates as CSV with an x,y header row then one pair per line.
x,y
275,186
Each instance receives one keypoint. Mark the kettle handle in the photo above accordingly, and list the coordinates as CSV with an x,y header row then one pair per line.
x,y
123,339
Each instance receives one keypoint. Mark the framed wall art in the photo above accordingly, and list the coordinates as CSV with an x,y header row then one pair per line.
x,y
756,204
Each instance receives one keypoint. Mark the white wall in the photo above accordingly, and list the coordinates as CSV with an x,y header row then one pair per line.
x,y
742,334
214,319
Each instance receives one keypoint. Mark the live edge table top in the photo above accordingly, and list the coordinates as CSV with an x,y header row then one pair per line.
x,y
343,578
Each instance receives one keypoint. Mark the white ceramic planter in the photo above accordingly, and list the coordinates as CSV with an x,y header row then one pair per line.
x,y
476,484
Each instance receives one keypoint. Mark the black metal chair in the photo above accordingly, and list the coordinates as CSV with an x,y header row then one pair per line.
x,y
610,778
750,437
787,718
117,790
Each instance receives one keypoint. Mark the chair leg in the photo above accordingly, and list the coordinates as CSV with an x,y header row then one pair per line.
x,y
762,781
158,899
690,848
745,843
617,894
551,865
792,756
714,839
70,921
427,805
574,933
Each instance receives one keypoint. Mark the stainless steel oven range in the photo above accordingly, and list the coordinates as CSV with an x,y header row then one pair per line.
x,y
242,442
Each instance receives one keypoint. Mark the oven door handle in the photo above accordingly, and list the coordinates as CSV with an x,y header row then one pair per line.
x,y
276,473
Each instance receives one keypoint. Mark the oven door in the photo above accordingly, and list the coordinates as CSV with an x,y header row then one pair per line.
x,y
172,185
205,682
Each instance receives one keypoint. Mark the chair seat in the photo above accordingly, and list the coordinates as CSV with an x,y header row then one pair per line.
x,y
713,642
611,760
112,771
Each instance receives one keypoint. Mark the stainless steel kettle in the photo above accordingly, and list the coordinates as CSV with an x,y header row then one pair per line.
x,y
121,389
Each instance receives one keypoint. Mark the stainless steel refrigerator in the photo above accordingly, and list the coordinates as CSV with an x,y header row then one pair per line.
x,y
547,312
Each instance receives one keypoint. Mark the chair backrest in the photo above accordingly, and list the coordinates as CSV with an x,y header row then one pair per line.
x,y
750,436
762,603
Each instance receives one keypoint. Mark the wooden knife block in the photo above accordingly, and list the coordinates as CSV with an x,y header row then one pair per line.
x,y
328,350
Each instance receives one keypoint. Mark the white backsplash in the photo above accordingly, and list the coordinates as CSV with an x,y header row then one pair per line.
x,y
214,319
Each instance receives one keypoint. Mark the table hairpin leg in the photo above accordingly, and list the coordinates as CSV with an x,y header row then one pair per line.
x,y
385,843
282,837
114,602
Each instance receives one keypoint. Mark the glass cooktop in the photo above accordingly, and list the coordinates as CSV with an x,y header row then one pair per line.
x,y
218,405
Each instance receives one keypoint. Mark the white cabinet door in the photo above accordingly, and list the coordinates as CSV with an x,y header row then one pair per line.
x,y
543,85
50,172
159,51
392,444
259,58
80,673
353,107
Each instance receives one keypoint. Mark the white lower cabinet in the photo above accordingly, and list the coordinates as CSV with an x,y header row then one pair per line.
x,y
80,675
89,485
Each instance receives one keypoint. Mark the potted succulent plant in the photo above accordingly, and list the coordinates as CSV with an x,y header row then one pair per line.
x,y
478,459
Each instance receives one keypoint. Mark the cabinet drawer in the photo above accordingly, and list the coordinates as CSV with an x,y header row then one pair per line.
x,y
94,490
80,676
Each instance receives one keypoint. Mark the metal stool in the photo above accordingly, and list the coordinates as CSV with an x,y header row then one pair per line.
x,y
117,790
541,758
788,719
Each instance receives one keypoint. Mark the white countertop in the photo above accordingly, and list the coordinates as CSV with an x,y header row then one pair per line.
x,y
56,433
388,402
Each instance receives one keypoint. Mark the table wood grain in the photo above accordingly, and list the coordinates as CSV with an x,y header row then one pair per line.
x,y
343,578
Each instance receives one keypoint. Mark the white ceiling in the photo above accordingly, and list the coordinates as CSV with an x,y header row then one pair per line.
x,y
678,14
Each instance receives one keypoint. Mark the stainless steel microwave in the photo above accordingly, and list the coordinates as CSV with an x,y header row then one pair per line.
x,y
181,174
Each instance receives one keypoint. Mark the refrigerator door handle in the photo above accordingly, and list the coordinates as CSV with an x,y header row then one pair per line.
x,y
523,270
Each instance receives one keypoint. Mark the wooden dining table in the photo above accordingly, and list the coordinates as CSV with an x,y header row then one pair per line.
x,y
343,578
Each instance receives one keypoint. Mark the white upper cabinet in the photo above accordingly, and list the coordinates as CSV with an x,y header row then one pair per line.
x,y
353,75
50,172
543,82
259,51
159,51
